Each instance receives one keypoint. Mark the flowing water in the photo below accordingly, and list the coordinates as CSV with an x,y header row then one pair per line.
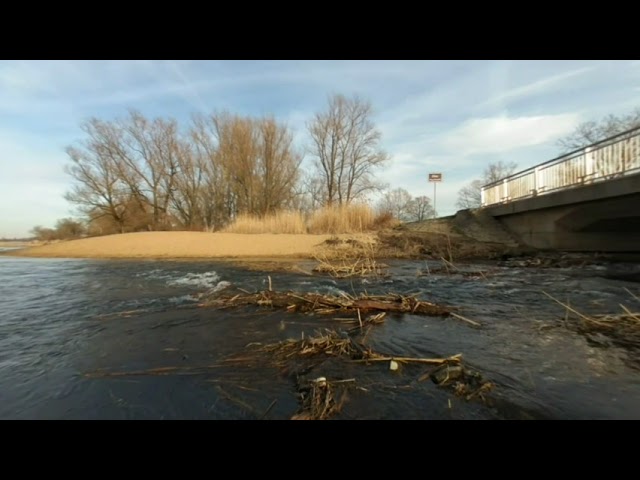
x,y
62,319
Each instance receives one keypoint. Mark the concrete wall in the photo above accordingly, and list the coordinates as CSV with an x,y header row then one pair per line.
x,y
602,217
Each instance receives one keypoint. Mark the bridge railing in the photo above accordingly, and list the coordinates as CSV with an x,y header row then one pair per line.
x,y
611,158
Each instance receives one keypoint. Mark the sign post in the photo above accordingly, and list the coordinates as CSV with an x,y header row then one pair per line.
x,y
435,178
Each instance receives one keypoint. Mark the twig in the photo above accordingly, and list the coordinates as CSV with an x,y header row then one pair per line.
x,y
359,319
447,262
431,361
584,317
347,380
631,314
303,299
633,295
469,321
235,400
269,409
269,277
364,338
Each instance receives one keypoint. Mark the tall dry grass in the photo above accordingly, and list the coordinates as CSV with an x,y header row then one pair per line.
x,y
354,218
280,222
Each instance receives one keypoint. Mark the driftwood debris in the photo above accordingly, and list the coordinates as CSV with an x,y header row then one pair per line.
x,y
318,400
622,329
463,381
357,268
327,304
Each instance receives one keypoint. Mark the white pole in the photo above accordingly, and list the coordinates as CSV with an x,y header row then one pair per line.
x,y
435,213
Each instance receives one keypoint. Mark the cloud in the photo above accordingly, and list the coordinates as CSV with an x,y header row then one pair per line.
x,y
502,134
543,85
462,151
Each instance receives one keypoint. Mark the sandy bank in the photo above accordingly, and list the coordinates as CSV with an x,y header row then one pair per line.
x,y
182,245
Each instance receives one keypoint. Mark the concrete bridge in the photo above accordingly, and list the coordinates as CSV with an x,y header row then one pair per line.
x,y
587,200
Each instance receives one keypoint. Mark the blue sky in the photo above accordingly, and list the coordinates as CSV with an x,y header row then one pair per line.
x,y
452,117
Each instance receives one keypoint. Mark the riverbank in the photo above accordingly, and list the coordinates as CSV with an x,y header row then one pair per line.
x,y
384,244
186,245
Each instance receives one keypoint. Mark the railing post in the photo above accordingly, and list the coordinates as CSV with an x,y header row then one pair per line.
x,y
505,190
588,167
482,197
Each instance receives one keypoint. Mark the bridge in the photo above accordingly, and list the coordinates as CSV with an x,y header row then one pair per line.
x,y
587,200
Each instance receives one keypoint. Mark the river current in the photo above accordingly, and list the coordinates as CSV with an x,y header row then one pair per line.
x,y
62,320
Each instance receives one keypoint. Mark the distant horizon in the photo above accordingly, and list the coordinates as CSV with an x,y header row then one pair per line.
x,y
449,117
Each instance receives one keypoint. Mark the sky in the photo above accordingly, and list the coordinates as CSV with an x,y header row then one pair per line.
x,y
449,117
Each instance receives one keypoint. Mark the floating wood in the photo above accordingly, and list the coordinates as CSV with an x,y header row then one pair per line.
x,y
327,304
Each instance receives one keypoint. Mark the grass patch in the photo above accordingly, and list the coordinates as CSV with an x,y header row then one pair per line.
x,y
355,218
279,222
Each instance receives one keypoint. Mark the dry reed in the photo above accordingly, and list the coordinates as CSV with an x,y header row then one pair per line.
x,y
279,222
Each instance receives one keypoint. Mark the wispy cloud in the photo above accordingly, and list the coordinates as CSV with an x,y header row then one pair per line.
x,y
537,87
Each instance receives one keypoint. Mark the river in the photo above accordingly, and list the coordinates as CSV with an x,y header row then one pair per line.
x,y
61,320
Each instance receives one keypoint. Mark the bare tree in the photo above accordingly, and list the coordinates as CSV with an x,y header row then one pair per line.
x,y
310,193
594,131
215,192
278,166
188,183
236,142
419,209
250,164
43,234
345,146
134,173
67,228
98,188
397,203
469,196
147,160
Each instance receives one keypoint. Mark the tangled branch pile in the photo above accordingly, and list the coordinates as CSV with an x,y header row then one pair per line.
x,y
327,304
317,397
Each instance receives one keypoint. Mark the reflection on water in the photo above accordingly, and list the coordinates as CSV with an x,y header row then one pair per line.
x,y
60,319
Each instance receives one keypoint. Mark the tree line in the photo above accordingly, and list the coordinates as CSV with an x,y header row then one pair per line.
x,y
135,173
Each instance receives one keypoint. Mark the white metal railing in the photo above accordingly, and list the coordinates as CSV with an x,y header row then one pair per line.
x,y
611,158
